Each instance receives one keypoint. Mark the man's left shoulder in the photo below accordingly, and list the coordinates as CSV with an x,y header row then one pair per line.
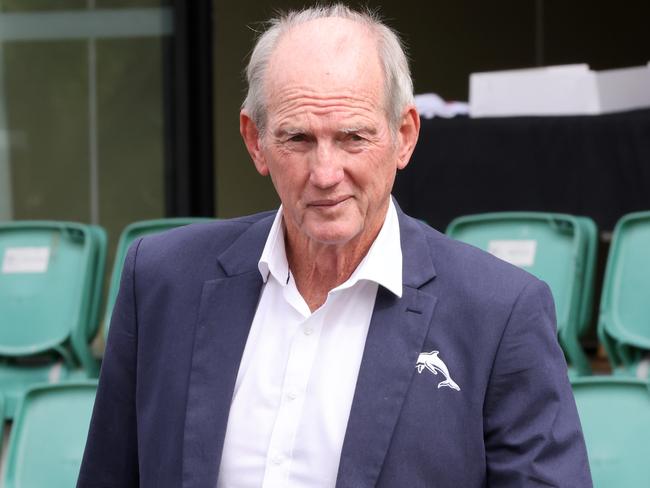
x,y
458,262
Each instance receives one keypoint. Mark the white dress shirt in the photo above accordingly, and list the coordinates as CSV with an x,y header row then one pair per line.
x,y
299,369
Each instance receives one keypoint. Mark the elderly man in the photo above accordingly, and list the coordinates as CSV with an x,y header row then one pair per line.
x,y
335,342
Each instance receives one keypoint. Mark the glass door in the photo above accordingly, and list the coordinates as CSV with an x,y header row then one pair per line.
x,y
83,129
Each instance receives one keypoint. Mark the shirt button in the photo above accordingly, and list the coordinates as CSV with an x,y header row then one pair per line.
x,y
276,459
292,395
308,330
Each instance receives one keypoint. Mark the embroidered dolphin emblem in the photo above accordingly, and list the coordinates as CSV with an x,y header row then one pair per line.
x,y
433,363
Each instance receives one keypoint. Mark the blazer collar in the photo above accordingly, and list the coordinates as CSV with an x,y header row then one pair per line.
x,y
244,253
225,314
396,336
417,262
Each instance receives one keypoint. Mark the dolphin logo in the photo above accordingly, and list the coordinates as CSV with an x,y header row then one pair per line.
x,y
433,363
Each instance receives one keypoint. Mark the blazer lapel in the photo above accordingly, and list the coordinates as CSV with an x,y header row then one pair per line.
x,y
395,338
225,314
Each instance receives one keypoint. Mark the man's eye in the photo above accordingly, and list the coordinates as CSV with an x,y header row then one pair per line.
x,y
297,138
355,138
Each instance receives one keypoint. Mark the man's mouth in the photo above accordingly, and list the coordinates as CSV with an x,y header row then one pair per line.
x,y
328,202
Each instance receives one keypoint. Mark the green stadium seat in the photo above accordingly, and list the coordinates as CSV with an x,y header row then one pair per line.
x,y
557,248
2,417
588,282
48,436
624,325
615,417
83,338
48,288
129,234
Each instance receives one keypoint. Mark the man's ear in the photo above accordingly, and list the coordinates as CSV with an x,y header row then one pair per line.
x,y
250,133
407,136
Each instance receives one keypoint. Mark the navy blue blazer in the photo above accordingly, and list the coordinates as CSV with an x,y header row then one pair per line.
x,y
181,321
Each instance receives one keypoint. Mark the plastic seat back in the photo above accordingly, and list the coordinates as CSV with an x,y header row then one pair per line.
x,y
49,435
45,273
553,247
587,299
129,234
83,337
2,419
101,246
615,417
624,325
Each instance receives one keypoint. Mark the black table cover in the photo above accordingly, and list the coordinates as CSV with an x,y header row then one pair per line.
x,y
597,166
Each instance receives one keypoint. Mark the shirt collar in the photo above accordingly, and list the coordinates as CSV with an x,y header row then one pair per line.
x,y
382,264
274,256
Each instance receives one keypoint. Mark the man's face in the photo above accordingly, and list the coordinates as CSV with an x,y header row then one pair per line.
x,y
328,146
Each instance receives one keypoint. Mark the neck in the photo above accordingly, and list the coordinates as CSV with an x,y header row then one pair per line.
x,y
318,268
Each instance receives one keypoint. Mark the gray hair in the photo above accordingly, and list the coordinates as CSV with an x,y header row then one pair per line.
x,y
398,86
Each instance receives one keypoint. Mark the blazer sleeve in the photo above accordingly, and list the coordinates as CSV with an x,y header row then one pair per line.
x,y
531,426
111,456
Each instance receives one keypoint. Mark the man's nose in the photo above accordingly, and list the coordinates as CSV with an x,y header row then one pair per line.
x,y
326,169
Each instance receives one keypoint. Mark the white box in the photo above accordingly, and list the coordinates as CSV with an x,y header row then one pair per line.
x,y
558,90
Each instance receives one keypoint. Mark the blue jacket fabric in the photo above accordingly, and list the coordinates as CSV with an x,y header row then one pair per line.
x,y
180,324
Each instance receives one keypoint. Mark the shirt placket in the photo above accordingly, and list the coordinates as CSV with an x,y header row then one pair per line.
x,y
302,354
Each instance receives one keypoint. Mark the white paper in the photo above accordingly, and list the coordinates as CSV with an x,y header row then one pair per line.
x,y
518,252
25,260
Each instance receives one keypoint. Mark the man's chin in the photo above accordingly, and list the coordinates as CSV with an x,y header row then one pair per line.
x,y
332,233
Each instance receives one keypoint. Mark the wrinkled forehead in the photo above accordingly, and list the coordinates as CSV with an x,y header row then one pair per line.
x,y
325,55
